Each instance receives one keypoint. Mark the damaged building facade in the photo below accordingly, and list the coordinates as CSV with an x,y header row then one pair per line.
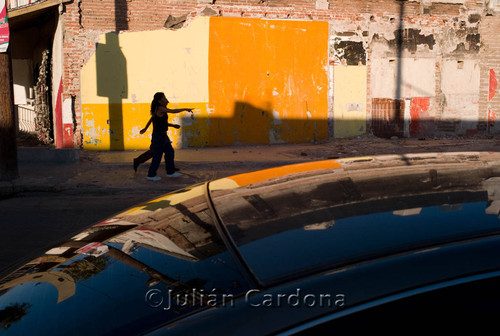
x,y
261,72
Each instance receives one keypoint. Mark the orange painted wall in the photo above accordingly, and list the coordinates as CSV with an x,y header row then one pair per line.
x,y
267,81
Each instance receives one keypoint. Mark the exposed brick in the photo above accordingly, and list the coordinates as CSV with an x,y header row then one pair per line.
x,y
84,20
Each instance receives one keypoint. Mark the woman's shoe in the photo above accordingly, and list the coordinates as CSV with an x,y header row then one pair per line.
x,y
153,178
176,174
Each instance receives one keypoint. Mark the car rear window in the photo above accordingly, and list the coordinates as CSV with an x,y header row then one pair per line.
x,y
288,229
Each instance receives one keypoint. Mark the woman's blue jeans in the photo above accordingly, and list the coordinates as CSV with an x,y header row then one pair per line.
x,y
161,144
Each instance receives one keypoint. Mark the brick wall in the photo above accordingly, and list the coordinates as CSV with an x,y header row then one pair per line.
x,y
490,60
85,19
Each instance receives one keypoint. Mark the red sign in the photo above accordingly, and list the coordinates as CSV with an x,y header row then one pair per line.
x,y
4,27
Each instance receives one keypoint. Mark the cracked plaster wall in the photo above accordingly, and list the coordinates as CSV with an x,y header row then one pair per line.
x,y
361,32
438,62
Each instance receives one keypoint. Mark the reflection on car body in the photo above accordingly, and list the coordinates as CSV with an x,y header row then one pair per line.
x,y
289,249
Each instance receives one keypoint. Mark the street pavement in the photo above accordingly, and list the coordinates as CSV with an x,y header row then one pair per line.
x,y
82,172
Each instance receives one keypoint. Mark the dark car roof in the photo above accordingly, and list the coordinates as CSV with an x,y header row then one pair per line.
x,y
108,277
257,230
333,218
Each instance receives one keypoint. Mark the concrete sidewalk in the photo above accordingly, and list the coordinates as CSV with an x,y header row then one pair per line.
x,y
80,171
99,172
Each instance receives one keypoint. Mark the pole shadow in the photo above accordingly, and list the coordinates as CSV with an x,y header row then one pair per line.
x,y
112,77
112,82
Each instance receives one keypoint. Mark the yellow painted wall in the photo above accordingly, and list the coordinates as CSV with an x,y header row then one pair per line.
x,y
350,101
267,81
251,81
135,117
120,79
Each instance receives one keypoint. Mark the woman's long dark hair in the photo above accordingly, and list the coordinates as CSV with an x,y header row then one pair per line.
x,y
155,103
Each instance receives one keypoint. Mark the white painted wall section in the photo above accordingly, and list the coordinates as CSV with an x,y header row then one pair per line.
x,y
67,111
22,80
460,84
417,78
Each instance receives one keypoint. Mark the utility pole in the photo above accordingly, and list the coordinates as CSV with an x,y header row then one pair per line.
x,y
8,146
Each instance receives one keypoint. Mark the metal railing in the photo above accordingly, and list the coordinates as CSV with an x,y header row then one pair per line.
x,y
26,118
13,4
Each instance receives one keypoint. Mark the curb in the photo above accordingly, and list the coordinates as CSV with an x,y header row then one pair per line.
x,y
47,155
8,189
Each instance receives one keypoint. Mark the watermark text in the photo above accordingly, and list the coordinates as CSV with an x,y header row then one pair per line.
x,y
171,299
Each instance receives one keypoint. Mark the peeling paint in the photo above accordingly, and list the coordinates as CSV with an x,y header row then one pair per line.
x,y
275,136
93,141
432,41
461,41
471,44
419,117
135,132
349,52
492,117
276,117
474,18
272,140
411,39
412,42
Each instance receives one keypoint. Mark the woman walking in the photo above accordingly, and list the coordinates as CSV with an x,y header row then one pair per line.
x,y
160,142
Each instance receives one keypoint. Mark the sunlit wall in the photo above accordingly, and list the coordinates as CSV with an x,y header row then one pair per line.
x,y
350,101
250,81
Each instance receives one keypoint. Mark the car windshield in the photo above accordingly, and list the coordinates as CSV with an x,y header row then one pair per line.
x,y
291,227
144,267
